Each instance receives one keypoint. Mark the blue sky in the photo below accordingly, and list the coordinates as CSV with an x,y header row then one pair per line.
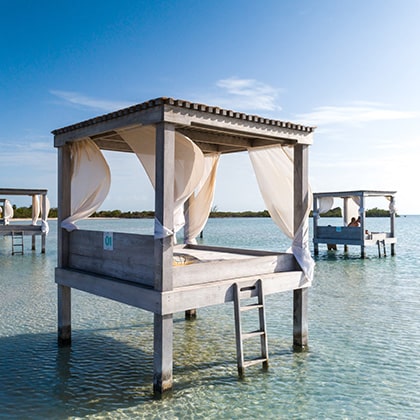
x,y
350,68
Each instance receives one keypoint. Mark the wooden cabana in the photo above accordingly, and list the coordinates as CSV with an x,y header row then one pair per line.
x,y
346,232
151,272
18,229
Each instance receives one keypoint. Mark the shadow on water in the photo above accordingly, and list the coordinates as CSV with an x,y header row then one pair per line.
x,y
40,380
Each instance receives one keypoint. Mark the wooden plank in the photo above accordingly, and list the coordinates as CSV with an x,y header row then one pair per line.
x,y
339,232
132,256
216,293
233,125
22,191
140,117
122,291
199,273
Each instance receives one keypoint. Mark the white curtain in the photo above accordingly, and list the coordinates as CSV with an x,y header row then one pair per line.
x,y
189,167
353,204
325,204
273,167
35,209
90,181
201,200
8,212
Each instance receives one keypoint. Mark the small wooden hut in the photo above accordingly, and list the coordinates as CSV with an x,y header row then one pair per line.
x,y
179,144
346,232
18,230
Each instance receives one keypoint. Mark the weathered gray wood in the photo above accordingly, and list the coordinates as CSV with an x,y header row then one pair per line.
x,y
132,257
164,209
179,299
216,293
162,353
300,318
141,117
230,268
64,203
22,191
301,201
392,225
164,199
333,233
28,230
126,292
64,315
64,209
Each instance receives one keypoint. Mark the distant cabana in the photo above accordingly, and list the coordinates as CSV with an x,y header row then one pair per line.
x,y
37,226
179,144
353,230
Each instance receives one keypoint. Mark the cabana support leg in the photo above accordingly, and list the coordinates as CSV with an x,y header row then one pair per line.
x,y
64,315
300,318
301,199
162,359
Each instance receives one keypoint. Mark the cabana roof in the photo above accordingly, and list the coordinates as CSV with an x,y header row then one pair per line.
x,y
213,129
364,193
22,191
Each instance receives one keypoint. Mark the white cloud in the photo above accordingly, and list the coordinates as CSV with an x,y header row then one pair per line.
x,y
247,94
355,113
79,99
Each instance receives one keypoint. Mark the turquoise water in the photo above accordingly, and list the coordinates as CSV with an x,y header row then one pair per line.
x,y
362,362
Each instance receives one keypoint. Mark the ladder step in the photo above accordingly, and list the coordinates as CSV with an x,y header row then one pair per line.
x,y
257,333
251,306
252,362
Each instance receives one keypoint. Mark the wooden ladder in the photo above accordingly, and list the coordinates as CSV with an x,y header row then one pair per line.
x,y
245,293
17,243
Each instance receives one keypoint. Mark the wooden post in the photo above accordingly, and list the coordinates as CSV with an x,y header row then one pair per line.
x,y
33,213
392,214
346,217
43,218
362,225
64,209
164,203
315,224
190,314
300,296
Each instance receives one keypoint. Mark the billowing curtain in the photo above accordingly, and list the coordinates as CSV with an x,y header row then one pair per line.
x,y
8,212
201,200
189,168
35,209
44,222
90,181
392,205
325,204
273,167
353,204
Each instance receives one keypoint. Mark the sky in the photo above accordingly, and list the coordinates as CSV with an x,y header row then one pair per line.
x,y
352,69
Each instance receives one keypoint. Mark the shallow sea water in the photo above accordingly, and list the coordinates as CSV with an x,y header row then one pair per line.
x,y
362,362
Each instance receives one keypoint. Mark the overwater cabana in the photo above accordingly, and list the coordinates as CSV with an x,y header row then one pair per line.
x,y
37,226
347,233
179,144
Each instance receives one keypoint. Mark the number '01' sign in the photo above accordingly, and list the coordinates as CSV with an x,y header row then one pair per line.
x,y
108,241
